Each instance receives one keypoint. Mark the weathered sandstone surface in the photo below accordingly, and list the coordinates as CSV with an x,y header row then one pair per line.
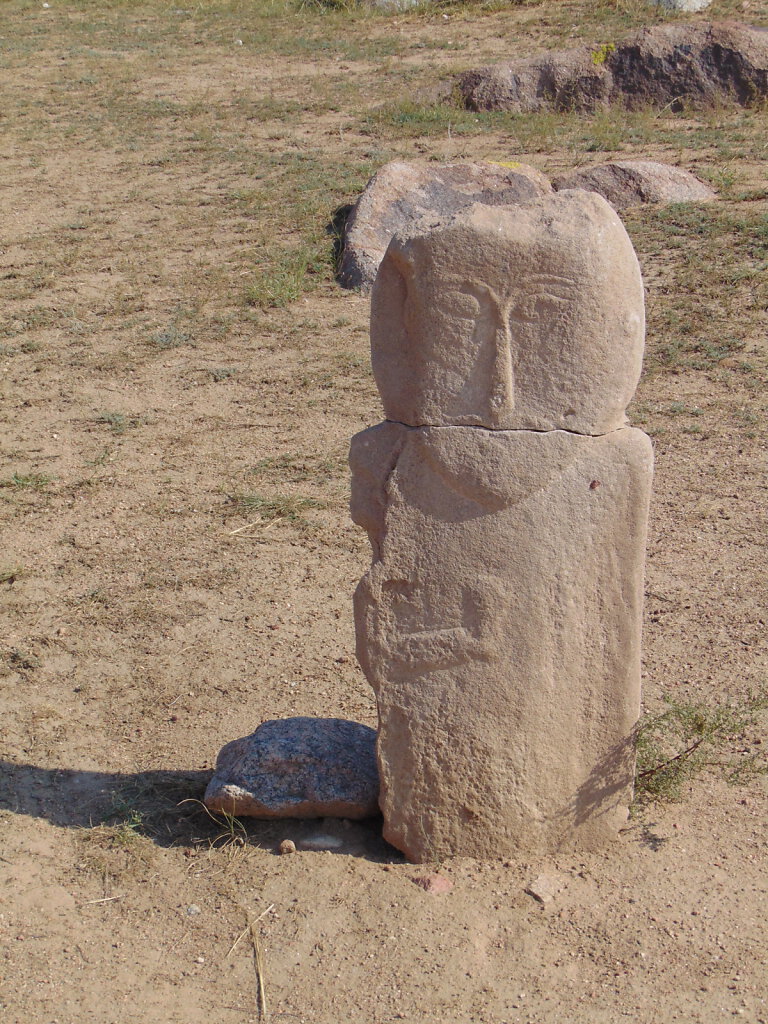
x,y
529,319
506,505
500,628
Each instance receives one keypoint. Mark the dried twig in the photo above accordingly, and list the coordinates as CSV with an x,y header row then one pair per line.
x,y
254,536
258,956
246,527
264,913
678,757
258,962
242,935
675,99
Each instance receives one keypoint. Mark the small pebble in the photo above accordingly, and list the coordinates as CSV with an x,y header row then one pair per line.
x,y
434,883
287,846
193,910
544,888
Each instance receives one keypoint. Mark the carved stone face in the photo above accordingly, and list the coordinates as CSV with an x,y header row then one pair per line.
x,y
529,318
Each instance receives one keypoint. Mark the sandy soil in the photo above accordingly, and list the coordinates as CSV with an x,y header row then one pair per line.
x,y
146,166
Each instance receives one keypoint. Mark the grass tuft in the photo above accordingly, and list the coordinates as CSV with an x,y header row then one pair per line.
x,y
119,422
297,467
124,833
232,832
287,276
220,373
23,661
171,337
277,507
716,275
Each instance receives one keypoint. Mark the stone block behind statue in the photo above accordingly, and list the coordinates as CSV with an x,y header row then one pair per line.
x,y
506,504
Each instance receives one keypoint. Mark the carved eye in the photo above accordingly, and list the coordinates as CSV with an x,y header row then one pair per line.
x,y
460,305
541,306
546,297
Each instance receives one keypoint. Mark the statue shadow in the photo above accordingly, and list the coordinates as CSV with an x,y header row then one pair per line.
x,y
166,807
607,787
336,229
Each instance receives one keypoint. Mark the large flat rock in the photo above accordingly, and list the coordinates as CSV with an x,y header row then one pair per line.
x,y
627,183
402,195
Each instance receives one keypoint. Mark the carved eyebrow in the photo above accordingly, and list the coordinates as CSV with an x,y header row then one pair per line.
x,y
533,283
470,287
550,281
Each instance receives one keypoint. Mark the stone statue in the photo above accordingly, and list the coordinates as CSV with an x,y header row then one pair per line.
x,y
506,504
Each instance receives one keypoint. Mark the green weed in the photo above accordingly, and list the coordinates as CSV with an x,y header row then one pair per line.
x,y
298,467
602,53
23,660
232,832
407,119
329,5
116,852
101,459
688,738
125,832
27,481
288,275
544,131
681,409
118,422
717,278
221,373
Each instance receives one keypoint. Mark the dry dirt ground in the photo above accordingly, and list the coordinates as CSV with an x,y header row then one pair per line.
x,y
180,380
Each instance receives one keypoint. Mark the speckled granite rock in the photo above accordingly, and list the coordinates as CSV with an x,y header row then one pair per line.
x,y
298,768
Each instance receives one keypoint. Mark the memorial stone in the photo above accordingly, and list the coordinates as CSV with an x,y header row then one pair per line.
x,y
506,504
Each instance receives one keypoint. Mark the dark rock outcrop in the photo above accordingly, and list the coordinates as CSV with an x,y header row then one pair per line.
x,y
669,65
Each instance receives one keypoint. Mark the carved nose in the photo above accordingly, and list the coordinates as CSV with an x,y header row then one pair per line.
x,y
502,388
